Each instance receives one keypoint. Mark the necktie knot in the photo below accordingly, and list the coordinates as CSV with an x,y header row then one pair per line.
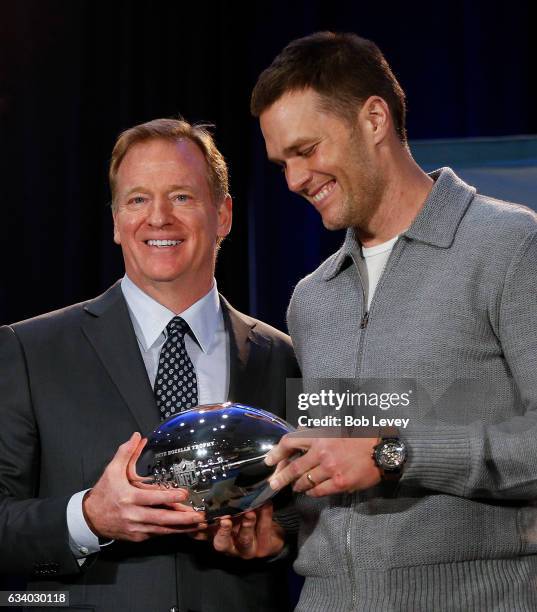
x,y
177,327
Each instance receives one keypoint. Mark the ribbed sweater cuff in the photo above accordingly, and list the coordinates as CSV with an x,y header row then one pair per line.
x,y
439,458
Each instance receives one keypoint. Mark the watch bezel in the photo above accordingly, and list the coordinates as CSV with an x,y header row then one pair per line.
x,y
380,458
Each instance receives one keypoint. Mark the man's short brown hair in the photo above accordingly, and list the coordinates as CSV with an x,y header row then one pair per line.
x,y
173,130
344,69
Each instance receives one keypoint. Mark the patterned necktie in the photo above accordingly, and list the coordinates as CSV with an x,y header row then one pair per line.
x,y
176,385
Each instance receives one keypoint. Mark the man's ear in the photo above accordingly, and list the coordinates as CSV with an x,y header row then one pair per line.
x,y
117,236
225,217
375,118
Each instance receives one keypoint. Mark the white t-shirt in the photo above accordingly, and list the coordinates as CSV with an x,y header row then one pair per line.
x,y
375,259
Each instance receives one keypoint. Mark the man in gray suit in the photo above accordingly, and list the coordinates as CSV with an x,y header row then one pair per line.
x,y
76,383
434,288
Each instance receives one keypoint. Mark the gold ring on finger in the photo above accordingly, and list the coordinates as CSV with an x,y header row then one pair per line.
x,y
310,480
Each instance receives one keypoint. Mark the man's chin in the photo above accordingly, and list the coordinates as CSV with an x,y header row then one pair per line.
x,y
166,278
334,224
154,280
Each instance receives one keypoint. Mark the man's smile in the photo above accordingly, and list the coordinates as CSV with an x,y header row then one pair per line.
x,y
323,192
162,243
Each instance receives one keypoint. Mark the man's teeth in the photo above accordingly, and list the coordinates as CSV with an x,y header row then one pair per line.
x,y
324,191
163,243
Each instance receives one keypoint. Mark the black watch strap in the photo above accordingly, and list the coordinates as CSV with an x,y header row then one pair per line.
x,y
388,435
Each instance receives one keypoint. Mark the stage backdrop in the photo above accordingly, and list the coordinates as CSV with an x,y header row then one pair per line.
x,y
74,73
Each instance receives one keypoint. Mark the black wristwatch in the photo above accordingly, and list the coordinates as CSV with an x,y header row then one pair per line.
x,y
390,453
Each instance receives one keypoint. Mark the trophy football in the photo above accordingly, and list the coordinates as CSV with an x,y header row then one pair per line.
x,y
217,452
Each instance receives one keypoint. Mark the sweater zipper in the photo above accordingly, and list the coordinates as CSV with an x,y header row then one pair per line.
x,y
364,321
366,314
348,497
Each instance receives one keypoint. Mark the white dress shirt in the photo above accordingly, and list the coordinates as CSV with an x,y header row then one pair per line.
x,y
209,352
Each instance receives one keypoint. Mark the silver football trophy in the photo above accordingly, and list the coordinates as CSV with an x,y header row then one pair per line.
x,y
217,452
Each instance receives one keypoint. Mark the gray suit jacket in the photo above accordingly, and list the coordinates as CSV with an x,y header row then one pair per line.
x,y
73,387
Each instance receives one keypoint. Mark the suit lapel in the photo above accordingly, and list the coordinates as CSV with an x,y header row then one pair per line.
x,y
109,329
249,352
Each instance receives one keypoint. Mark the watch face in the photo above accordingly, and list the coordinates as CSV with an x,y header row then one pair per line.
x,y
390,454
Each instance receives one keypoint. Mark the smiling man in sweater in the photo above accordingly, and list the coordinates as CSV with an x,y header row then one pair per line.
x,y
434,284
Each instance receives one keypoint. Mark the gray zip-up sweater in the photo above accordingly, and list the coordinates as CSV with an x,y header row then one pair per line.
x,y
454,313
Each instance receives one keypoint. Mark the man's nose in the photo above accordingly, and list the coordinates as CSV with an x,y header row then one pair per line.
x,y
160,212
297,175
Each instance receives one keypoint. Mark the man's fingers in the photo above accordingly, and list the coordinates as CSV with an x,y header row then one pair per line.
x,y
166,518
202,533
223,538
132,475
281,465
125,451
327,487
156,497
139,484
180,507
264,528
286,447
197,532
293,471
310,479
177,530
245,541
254,534
264,514
138,532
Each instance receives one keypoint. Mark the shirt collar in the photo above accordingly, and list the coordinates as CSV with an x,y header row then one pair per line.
x,y
150,318
436,223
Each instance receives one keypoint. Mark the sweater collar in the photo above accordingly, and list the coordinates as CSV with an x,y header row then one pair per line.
x,y
436,223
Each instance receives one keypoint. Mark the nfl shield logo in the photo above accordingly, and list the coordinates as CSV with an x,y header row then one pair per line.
x,y
185,473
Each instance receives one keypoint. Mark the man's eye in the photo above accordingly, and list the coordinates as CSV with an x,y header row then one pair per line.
x,y
181,198
307,152
136,201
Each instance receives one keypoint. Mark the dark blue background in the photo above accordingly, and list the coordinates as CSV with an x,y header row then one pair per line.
x,y
74,73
